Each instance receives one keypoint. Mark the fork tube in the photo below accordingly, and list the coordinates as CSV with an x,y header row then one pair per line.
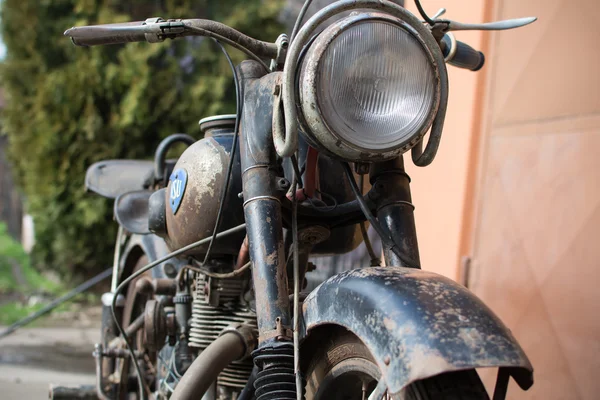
x,y
262,206
395,210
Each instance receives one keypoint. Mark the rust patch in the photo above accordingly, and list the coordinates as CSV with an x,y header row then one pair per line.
x,y
424,359
471,337
272,258
205,162
389,324
426,323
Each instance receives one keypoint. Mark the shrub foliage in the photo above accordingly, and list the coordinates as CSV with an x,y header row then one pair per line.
x,y
67,107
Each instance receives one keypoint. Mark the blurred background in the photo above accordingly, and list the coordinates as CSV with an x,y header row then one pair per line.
x,y
510,207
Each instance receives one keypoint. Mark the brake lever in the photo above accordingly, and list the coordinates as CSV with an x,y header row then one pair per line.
x,y
440,26
488,26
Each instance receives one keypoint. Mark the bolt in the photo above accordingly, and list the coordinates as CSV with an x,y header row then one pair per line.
x,y
362,168
169,270
283,184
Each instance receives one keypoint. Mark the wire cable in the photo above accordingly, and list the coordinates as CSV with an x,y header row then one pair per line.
x,y
375,261
139,272
297,172
238,115
327,196
227,275
423,13
216,36
296,333
386,239
299,19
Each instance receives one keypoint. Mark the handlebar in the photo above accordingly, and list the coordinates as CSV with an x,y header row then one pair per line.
x,y
157,30
107,34
460,54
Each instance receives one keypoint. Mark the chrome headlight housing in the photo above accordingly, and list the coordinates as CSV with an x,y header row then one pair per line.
x,y
369,88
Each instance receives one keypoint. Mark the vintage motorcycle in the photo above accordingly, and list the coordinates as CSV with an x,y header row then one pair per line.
x,y
213,247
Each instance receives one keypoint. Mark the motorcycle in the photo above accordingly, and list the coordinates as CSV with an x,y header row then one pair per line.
x,y
213,248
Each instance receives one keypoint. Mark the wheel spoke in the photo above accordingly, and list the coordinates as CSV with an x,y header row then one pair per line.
x,y
364,390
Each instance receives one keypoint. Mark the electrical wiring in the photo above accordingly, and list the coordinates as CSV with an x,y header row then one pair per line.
x,y
386,239
217,275
216,36
238,115
375,261
300,18
296,274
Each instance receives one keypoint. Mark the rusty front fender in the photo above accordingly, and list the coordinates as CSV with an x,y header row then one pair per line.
x,y
416,324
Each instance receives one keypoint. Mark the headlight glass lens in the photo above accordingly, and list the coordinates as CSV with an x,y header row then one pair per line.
x,y
376,85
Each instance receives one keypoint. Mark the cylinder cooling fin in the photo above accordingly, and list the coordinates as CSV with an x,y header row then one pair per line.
x,y
217,305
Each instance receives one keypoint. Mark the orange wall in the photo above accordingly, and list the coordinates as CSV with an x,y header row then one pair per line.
x,y
535,239
439,189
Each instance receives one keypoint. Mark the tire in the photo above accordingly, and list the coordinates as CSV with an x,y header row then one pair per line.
x,y
342,368
134,306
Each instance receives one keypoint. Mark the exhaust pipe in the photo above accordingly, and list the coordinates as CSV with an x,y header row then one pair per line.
x,y
234,344
63,392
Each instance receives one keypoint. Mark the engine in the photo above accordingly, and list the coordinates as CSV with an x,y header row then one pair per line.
x,y
218,304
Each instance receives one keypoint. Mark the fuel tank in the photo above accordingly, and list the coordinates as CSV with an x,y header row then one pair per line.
x,y
192,197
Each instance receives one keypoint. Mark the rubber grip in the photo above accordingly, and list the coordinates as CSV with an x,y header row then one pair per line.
x,y
107,34
464,57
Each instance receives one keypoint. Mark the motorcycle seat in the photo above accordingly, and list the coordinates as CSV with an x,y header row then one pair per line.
x,y
112,178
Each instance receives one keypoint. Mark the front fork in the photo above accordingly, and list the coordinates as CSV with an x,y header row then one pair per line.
x,y
395,211
262,208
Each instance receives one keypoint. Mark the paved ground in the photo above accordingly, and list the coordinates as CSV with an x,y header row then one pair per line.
x,y
31,359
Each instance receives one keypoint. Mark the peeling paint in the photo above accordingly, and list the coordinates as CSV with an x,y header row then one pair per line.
x,y
426,323
205,163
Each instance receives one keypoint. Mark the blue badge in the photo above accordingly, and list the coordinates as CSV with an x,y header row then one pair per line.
x,y
178,182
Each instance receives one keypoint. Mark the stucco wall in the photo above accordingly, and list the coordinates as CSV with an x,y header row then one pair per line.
x,y
439,190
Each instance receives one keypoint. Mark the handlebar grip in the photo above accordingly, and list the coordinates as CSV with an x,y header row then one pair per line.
x,y
461,55
107,34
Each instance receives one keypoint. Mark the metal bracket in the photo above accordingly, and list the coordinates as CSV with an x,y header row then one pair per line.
x,y
282,43
163,29
280,332
501,384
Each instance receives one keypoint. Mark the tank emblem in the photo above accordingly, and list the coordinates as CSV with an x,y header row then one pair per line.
x,y
178,182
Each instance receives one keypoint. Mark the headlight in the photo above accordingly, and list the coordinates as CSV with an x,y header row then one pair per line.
x,y
369,88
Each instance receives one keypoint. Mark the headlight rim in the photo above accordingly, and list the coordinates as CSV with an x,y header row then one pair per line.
x,y
315,125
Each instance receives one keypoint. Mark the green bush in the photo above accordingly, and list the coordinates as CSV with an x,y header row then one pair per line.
x,y
13,256
67,107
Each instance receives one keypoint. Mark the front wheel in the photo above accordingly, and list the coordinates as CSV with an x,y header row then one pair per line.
x,y
343,369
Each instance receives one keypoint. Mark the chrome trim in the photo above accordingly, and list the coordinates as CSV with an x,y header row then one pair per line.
x,y
216,118
261,198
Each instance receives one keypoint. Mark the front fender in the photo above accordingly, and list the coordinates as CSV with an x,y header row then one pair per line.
x,y
416,324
